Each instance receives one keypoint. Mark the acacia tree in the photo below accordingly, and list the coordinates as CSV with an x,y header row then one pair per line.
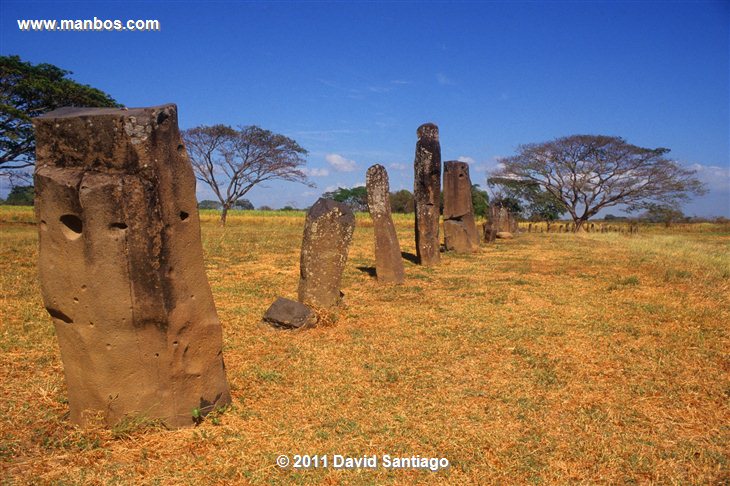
x,y
26,91
590,172
231,162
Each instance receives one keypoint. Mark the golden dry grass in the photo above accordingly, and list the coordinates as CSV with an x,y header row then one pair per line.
x,y
598,358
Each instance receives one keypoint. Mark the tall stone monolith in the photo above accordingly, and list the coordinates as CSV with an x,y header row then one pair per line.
x,y
460,230
427,193
506,221
492,226
327,235
121,266
388,260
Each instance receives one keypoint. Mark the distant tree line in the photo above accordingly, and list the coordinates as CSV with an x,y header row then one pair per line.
x,y
401,201
19,196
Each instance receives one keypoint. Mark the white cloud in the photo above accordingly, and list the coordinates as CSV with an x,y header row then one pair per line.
x,y
316,172
397,166
339,163
717,178
342,185
464,158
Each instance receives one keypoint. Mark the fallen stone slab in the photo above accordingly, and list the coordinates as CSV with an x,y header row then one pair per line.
x,y
289,314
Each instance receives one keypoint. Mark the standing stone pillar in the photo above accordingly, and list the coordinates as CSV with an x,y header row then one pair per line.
x,y
388,260
121,266
426,194
460,230
505,222
491,227
327,235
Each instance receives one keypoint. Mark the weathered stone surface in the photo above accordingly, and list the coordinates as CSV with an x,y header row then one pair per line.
x,y
500,220
504,235
327,235
493,224
514,228
460,230
506,221
488,232
121,265
426,194
289,314
388,260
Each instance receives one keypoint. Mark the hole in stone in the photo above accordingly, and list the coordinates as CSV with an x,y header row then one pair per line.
x,y
162,117
184,215
44,226
157,355
118,226
57,314
91,324
180,148
83,287
108,346
72,226
76,299
174,343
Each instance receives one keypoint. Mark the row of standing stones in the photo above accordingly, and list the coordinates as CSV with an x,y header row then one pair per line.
x,y
121,261
329,226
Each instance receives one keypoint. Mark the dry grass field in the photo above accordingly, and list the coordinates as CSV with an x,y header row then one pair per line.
x,y
550,358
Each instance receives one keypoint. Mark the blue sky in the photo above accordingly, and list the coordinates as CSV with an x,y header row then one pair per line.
x,y
352,82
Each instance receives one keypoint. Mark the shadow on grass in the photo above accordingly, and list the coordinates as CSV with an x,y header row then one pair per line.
x,y
410,257
369,270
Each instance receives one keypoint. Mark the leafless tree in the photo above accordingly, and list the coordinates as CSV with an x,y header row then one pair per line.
x,y
233,161
590,172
